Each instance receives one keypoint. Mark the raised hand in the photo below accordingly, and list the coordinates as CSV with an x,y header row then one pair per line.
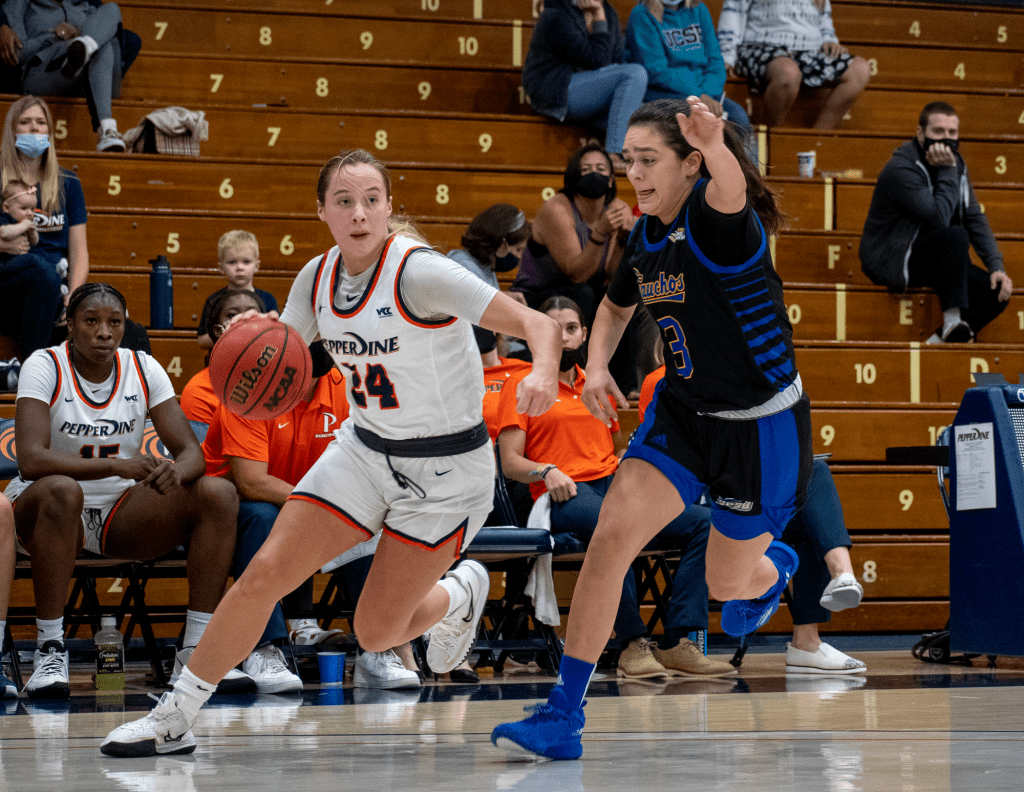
x,y
702,128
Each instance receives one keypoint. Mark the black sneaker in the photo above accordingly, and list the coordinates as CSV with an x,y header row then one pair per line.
x,y
959,333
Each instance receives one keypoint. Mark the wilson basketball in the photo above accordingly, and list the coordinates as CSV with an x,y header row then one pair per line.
x,y
260,369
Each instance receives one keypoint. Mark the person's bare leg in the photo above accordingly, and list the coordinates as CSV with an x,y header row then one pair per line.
x,y
48,514
401,598
838,561
304,538
7,556
842,97
404,652
640,502
783,78
806,638
739,569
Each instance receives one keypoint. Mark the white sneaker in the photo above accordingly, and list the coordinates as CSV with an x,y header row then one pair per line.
x,y
451,639
310,634
234,681
109,140
384,671
266,665
826,660
165,730
50,678
842,593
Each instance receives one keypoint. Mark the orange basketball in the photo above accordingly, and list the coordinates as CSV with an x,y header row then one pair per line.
x,y
260,369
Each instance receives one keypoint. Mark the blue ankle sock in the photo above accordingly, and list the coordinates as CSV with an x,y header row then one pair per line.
x,y
573,680
779,555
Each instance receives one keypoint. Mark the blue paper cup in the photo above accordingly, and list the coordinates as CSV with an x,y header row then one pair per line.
x,y
332,667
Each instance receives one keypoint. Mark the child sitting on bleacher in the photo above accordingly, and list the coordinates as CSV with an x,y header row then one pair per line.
x,y
238,257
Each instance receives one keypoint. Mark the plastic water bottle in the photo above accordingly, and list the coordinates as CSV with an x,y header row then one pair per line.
x,y
109,655
161,294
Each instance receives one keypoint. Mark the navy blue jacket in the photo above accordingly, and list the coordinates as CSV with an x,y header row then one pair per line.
x,y
561,46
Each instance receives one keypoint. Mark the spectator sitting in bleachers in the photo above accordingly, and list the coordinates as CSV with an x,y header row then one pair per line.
x,y
570,454
81,488
8,557
493,243
71,48
574,69
576,245
777,45
676,43
924,219
238,257
10,45
30,293
197,398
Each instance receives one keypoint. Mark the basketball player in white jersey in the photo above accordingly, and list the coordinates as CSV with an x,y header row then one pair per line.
x,y
413,462
85,484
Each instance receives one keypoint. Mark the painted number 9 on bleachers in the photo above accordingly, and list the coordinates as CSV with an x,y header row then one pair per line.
x,y
828,434
906,499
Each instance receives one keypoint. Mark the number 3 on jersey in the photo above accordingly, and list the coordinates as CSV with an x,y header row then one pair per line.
x,y
377,385
676,339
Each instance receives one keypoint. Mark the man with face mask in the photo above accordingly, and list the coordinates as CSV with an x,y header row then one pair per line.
x,y
923,220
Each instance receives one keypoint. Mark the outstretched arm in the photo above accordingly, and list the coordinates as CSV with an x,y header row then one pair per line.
x,y
727,191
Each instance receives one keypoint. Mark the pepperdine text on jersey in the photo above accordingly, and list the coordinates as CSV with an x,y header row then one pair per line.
x,y
360,347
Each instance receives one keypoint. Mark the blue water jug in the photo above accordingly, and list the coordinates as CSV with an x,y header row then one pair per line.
x,y
161,295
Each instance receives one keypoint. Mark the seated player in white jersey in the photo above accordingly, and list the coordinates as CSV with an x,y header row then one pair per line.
x,y
412,462
84,483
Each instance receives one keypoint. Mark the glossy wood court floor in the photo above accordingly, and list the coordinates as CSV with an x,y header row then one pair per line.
x,y
907,726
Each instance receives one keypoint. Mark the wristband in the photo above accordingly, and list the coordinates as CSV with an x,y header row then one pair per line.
x,y
542,472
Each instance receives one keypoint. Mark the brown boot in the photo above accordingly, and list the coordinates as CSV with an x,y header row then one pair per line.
x,y
637,661
687,660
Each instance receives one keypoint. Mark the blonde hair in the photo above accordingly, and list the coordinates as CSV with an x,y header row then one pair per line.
x,y
397,223
233,240
657,8
51,187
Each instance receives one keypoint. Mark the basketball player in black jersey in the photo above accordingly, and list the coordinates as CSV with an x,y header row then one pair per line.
x,y
729,420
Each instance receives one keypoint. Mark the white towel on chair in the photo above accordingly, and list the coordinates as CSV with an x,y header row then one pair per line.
x,y
540,586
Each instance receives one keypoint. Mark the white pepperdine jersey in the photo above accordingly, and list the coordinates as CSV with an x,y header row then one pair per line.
x,y
408,377
83,427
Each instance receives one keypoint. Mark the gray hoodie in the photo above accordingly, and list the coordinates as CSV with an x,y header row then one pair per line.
x,y
906,202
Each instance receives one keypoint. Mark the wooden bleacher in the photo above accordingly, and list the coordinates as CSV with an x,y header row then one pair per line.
x,y
433,88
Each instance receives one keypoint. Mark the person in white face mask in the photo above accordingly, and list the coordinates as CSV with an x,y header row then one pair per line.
x,y
30,283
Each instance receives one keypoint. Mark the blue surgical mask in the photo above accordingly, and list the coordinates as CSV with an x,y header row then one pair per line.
x,y
32,145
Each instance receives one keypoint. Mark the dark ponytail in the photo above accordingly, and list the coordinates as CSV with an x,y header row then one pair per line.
x,y
660,115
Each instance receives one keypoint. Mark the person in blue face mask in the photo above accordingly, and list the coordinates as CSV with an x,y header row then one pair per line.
x,y
30,283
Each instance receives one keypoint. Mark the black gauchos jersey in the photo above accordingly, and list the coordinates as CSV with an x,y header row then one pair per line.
x,y
709,282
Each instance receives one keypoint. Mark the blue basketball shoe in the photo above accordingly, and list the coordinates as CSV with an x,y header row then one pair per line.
x,y
742,617
551,731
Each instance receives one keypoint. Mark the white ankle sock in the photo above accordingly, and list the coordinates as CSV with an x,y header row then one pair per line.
x,y
192,693
195,626
49,630
302,624
456,594
950,317
108,123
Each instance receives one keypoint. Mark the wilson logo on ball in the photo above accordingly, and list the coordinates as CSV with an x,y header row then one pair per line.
x,y
249,379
